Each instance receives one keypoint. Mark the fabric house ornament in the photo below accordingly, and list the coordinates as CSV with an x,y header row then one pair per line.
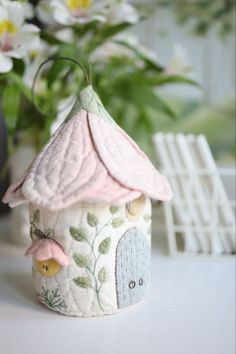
x,y
90,214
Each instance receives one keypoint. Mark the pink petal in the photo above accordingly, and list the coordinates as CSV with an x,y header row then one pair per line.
x,y
12,190
125,161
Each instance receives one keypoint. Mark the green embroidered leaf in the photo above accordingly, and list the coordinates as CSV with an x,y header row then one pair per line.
x,y
117,222
105,246
102,275
49,232
83,282
36,215
82,260
114,209
92,220
52,298
39,233
78,234
147,218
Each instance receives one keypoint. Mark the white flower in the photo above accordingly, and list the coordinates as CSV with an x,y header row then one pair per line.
x,y
121,12
72,12
44,12
28,9
180,63
121,46
109,49
65,35
15,35
37,53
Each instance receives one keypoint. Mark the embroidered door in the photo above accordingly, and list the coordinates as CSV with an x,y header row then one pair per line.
x,y
132,267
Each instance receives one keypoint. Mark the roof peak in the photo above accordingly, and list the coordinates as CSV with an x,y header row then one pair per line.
x,y
89,101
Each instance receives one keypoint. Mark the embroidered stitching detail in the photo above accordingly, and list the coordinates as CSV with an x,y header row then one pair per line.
x,y
83,301
34,230
132,267
52,299
96,277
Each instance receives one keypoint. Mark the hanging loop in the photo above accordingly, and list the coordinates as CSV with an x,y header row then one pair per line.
x,y
86,77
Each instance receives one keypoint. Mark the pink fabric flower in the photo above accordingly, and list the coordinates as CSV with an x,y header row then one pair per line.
x,y
44,249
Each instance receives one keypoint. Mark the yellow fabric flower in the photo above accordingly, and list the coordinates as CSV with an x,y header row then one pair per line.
x,y
47,268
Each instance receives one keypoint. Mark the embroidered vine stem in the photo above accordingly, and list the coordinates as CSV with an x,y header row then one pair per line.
x,y
105,225
96,288
97,275
35,230
93,271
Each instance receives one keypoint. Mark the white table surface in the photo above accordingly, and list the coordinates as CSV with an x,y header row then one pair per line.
x,y
190,310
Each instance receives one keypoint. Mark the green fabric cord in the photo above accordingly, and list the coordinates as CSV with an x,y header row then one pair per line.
x,y
90,102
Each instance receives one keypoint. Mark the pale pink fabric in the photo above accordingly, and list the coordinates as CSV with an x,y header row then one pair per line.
x,y
42,250
89,160
125,161
13,194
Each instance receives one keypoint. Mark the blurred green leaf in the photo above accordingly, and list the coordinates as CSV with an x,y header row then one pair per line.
x,y
161,80
19,83
50,38
202,15
54,72
151,64
110,31
145,96
68,49
10,105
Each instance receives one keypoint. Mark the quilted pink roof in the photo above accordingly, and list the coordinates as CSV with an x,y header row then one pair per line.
x,y
88,159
